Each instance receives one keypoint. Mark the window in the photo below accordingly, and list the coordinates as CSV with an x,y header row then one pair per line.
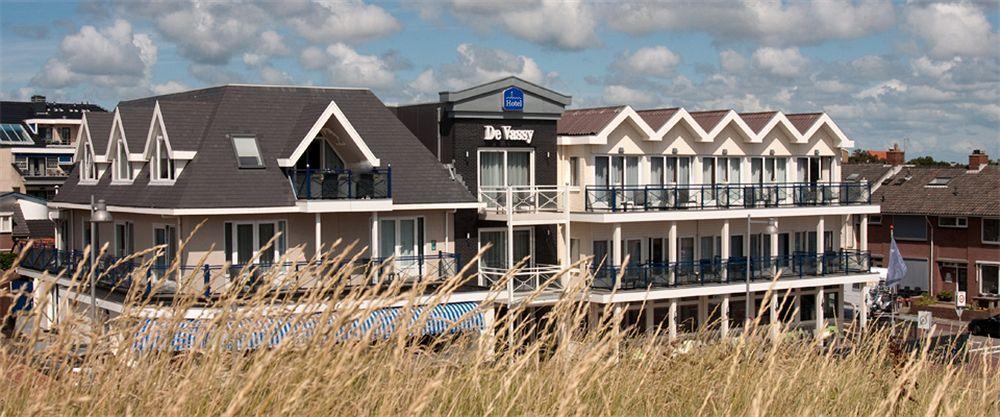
x,y
574,171
910,227
959,222
244,239
402,238
956,272
13,134
496,256
989,279
768,170
88,168
123,171
64,134
6,224
991,231
574,250
165,235
162,166
124,239
670,170
498,168
939,182
623,170
247,152
45,133
874,219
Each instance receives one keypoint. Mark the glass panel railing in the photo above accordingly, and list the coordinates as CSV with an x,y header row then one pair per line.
x,y
341,184
662,197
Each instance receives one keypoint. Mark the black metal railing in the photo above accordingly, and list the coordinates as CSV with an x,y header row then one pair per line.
x,y
341,184
724,196
121,274
710,271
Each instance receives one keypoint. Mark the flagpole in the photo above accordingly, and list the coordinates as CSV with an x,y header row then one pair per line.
x,y
892,307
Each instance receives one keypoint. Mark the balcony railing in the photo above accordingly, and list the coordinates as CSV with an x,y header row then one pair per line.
x,y
525,279
724,196
524,199
120,275
710,271
341,184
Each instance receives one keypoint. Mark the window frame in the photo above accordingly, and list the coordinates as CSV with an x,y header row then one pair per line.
x,y
239,162
982,230
129,238
88,168
161,154
874,219
121,151
574,171
231,245
981,278
961,222
7,223
505,151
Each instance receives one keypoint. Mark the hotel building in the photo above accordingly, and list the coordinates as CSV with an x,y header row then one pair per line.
x,y
657,203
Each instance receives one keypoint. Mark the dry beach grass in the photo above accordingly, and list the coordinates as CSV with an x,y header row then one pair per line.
x,y
559,366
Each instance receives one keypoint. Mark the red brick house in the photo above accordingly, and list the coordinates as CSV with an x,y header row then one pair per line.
x,y
946,222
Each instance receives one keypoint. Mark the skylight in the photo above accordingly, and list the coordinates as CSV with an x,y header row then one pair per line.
x,y
853,177
247,152
939,182
14,134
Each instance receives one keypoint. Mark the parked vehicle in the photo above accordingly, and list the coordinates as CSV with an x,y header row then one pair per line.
x,y
989,327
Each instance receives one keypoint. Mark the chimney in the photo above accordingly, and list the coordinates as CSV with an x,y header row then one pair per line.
x,y
894,156
37,99
977,159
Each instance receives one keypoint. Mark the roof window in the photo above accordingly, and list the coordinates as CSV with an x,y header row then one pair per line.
x,y
247,152
939,182
13,134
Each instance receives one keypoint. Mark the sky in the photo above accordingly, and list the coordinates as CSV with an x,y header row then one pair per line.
x,y
922,74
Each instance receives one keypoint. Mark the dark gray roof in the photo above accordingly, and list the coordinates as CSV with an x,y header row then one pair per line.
x,y
17,111
135,123
279,117
966,194
99,124
872,173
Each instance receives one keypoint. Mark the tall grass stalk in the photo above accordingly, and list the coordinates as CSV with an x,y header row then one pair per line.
x,y
565,364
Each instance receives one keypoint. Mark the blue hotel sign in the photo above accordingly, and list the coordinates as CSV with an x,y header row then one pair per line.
x,y
513,99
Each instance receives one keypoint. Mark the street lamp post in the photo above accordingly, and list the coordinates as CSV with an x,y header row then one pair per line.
x,y
98,214
772,227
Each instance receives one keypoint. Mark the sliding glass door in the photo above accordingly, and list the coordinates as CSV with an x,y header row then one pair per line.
x,y
496,256
402,239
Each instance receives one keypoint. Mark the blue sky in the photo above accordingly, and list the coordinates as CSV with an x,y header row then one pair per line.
x,y
923,74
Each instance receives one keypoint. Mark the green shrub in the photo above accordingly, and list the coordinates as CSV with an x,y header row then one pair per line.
x,y
7,260
945,295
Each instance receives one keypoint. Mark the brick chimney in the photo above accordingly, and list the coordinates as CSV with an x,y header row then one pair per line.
x,y
894,156
37,99
977,159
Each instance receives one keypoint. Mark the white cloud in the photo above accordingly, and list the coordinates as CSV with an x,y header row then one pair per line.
x,y
657,61
560,24
929,67
769,22
953,29
112,56
881,89
272,75
476,65
787,62
620,94
732,61
345,67
210,33
343,21
169,87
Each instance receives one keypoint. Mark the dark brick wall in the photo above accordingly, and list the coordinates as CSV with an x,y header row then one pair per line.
x,y
466,136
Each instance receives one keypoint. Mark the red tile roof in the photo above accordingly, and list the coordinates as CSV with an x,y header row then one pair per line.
x,y
757,120
656,118
709,118
586,121
803,121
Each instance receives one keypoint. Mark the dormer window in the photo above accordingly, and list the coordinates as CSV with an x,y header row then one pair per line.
x,y
247,152
939,182
122,171
162,166
88,168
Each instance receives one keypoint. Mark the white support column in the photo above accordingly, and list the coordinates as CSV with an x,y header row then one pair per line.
x,y
488,335
724,316
703,312
820,301
650,322
319,233
672,251
820,230
374,245
445,246
863,313
672,320
863,233
775,322
774,249
616,244
725,250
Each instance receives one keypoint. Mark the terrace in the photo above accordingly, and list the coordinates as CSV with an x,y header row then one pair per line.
x,y
341,184
160,278
666,197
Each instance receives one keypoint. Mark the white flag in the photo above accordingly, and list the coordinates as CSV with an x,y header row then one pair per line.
x,y
897,268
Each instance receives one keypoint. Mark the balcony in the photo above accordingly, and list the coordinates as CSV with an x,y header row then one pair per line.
x,y
120,275
539,204
526,279
733,270
341,184
646,198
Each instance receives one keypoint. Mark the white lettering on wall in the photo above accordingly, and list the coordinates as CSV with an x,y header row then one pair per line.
x,y
507,133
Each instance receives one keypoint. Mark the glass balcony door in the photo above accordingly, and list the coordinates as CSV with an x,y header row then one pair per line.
x,y
402,239
496,256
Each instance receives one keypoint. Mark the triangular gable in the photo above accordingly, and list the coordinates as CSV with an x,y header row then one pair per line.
x,y
825,121
779,121
731,118
332,111
681,116
116,126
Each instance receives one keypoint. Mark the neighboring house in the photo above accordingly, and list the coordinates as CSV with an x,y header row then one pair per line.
x,y
668,190
36,144
946,221
23,218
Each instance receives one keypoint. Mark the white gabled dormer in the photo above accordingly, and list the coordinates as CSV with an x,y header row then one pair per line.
x,y
333,123
122,169
89,173
165,163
